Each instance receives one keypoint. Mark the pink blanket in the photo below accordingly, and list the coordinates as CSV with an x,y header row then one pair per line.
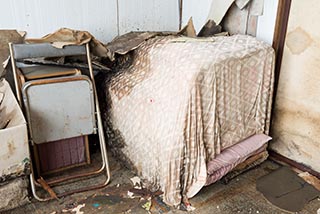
x,y
234,155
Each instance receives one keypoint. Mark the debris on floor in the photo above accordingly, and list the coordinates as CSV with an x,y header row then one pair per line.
x,y
236,197
13,194
130,194
286,190
78,208
188,207
147,205
136,182
144,193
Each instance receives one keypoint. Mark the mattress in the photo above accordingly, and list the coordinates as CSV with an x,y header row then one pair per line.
x,y
180,102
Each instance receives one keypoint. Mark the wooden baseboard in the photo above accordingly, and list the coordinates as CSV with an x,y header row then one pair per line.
x,y
282,159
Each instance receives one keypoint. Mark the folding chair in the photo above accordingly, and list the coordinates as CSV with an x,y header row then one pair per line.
x,y
67,120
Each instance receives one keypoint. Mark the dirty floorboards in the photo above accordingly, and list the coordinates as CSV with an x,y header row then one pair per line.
x,y
238,196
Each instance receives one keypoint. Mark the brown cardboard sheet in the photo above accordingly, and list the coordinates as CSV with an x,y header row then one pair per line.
x,y
65,36
286,190
7,36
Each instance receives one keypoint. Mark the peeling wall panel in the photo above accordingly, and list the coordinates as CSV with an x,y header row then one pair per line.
x,y
297,115
198,11
148,15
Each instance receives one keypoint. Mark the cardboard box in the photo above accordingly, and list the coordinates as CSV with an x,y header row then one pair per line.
x,y
14,149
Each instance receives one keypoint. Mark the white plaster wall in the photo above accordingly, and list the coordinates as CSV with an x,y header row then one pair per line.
x,y
196,9
148,15
105,19
40,17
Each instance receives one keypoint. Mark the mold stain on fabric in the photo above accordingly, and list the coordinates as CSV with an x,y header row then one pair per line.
x,y
298,41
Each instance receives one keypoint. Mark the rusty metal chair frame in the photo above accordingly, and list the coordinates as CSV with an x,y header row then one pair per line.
x,y
26,51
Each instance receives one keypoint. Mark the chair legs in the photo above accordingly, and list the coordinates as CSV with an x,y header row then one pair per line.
x,y
105,166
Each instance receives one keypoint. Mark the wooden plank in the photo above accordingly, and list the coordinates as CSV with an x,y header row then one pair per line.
x,y
283,160
279,37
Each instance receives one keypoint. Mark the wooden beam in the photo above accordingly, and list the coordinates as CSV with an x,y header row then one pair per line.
x,y
279,41
282,159
180,13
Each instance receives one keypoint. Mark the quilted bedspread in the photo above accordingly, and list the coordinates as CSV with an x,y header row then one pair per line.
x,y
182,101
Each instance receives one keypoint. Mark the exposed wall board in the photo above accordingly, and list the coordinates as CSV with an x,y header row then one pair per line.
x,y
148,15
198,11
267,21
296,127
236,21
242,17
40,17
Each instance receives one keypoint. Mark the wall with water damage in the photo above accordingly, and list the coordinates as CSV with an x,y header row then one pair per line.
x,y
296,128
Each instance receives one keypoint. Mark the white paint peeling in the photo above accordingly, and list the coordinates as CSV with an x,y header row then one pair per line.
x,y
198,11
78,208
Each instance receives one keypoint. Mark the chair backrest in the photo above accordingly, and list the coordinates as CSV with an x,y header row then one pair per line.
x,y
56,118
38,50
24,51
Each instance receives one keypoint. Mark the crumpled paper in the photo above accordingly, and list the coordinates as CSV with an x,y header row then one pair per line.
x,y
66,36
